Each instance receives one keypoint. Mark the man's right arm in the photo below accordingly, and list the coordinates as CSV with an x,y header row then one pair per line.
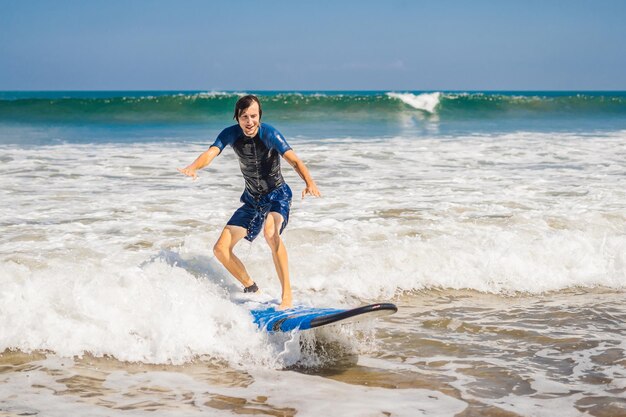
x,y
202,161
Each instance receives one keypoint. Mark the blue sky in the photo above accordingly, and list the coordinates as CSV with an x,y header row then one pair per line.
x,y
312,45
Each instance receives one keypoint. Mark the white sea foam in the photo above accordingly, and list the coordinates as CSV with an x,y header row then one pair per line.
x,y
107,249
426,101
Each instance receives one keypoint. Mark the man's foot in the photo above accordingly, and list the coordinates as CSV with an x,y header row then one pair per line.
x,y
251,288
285,304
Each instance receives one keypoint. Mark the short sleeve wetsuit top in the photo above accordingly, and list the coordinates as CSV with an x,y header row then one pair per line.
x,y
259,157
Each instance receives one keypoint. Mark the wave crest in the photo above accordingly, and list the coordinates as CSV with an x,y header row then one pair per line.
x,y
427,102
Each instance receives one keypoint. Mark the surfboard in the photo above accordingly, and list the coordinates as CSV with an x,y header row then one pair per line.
x,y
304,318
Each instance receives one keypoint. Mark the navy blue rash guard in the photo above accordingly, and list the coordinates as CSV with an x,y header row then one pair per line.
x,y
259,157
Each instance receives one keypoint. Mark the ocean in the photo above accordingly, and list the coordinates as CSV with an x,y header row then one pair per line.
x,y
495,221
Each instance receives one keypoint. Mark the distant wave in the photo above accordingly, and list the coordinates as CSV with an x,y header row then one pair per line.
x,y
199,107
427,101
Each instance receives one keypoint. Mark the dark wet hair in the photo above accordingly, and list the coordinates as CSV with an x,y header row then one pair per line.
x,y
245,102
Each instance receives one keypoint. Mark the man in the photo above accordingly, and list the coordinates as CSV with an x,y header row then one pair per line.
x,y
266,198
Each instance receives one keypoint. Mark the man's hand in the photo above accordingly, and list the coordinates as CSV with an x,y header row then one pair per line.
x,y
293,160
311,189
190,172
200,162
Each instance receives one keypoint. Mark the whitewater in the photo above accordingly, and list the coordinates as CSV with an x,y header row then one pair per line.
x,y
505,251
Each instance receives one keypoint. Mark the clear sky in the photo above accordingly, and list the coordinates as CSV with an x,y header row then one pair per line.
x,y
312,45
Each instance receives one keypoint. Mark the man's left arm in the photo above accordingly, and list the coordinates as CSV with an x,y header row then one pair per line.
x,y
297,164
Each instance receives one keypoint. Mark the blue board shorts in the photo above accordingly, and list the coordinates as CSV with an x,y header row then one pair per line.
x,y
251,216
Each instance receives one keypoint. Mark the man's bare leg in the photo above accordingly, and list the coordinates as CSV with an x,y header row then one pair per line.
x,y
271,231
223,251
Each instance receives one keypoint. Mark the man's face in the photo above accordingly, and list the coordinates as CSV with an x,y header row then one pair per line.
x,y
249,120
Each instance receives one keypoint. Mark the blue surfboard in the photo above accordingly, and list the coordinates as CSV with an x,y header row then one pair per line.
x,y
303,318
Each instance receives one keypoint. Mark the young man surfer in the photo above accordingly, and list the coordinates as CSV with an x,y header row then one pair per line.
x,y
266,198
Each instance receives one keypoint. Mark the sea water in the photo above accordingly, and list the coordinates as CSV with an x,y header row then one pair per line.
x,y
496,221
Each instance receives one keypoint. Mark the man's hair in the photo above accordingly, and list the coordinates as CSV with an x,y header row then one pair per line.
x,y
245,102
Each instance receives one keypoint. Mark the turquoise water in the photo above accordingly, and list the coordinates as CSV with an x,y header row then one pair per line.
x,y
139,116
